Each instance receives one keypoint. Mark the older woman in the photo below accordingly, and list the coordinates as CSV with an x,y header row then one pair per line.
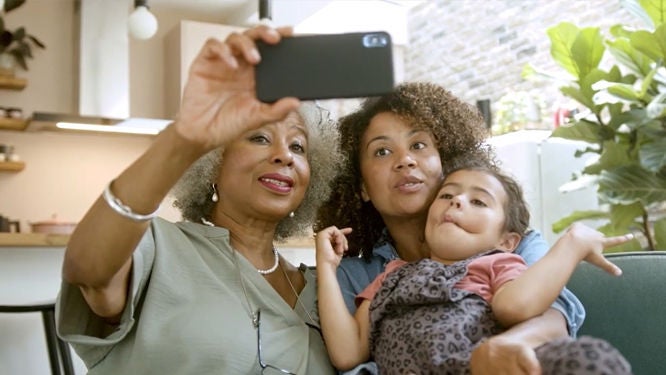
x,y
142,295
398,147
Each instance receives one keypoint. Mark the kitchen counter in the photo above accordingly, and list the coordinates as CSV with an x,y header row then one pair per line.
x,y
33,240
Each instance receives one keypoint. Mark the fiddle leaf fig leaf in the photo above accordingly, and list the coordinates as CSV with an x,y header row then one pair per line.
x,y
657,106
628,56
623,91
635,8
577,95
655,10
653,155
614,154
646,43
627,184
565,222
587,50
562,37
579,131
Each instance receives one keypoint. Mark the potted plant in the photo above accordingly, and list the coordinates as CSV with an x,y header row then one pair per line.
x,y
15,45
622,120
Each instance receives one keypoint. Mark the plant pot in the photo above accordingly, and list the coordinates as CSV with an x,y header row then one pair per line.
x,y
7,65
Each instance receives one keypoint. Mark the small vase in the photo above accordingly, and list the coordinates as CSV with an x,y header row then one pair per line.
x,y
7,65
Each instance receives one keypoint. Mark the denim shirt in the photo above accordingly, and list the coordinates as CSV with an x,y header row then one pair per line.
x,y
354,274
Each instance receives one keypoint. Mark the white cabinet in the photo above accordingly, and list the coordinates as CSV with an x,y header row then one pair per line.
x,y
543,165
182,46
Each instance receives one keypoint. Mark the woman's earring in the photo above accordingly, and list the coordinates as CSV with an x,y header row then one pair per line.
x,y
214,197
291,214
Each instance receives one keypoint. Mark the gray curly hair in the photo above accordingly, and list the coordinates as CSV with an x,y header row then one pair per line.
x,y
193,191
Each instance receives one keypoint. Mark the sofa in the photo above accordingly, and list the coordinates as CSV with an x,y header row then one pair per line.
x,y
628,311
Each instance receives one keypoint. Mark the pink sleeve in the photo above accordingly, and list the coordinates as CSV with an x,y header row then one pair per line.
x,y
372,288
487,273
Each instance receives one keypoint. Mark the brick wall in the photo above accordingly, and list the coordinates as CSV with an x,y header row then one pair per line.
x,y
478,48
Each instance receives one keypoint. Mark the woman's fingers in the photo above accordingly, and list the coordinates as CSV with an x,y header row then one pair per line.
x,y
216,49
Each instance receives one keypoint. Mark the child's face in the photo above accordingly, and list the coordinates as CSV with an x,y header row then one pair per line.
x,y
467,216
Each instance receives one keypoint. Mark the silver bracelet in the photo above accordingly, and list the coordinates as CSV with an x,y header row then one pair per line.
x,y
122,209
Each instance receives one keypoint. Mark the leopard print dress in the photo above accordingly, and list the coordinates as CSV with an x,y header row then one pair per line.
x,y
421,324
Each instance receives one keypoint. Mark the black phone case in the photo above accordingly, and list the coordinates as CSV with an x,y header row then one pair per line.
x,y
326,66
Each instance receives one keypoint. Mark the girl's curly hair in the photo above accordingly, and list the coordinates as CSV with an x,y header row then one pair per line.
x,y
457,127
193,191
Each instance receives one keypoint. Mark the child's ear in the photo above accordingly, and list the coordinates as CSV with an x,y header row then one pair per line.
x,y
509,241
364,193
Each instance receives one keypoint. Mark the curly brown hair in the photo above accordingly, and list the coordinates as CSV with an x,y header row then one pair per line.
x,y
457,127
193,190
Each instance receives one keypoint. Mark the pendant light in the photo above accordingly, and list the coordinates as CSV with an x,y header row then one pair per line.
x,y
142,23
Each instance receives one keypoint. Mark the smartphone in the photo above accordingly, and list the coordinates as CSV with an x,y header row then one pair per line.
x,y
326,66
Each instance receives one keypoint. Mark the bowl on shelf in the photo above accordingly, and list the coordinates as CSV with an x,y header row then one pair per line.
x,y
53,226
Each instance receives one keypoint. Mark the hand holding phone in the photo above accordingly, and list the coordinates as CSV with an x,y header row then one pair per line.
x,y
326,66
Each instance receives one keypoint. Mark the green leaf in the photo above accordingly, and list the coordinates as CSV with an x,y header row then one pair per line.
x,y
623,91
579,131
37,42
633,7
587,50
623,218
562,37
627,184
614,155
628,56
565,222
587,91
657,107
19,58
646,43
656,10
13,4
19,34
653,155
576,94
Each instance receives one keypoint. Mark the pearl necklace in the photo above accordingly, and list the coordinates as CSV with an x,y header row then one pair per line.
x,y
275,253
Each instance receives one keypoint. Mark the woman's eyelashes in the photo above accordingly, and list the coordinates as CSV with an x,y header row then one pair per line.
x,y
385,151
296,145
260,139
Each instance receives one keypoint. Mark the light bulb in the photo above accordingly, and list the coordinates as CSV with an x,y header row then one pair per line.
x,y
142,23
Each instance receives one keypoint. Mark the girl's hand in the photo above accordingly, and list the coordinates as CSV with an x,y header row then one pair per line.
x,y
219,101
331,245
593,243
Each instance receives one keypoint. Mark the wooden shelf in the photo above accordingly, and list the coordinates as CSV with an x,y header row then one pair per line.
x,y
33,239
12,83
11,166
13,124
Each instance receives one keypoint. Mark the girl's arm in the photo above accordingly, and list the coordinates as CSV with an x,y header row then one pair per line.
x,y
534,291
346,336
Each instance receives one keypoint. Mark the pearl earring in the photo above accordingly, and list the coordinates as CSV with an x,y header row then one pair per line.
x,y
214,197
291,214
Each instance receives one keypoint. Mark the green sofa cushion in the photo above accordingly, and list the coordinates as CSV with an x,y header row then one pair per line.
x,y
628,311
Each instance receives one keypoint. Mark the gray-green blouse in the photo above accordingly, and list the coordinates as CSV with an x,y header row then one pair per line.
x,y
187,313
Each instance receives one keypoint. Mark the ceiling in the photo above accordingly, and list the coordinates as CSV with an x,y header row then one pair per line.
x,y
284,12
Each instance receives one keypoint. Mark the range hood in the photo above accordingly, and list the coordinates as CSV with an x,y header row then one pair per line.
x,y
103,75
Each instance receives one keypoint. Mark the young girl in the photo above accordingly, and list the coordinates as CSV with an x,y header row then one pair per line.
x,y
427,316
